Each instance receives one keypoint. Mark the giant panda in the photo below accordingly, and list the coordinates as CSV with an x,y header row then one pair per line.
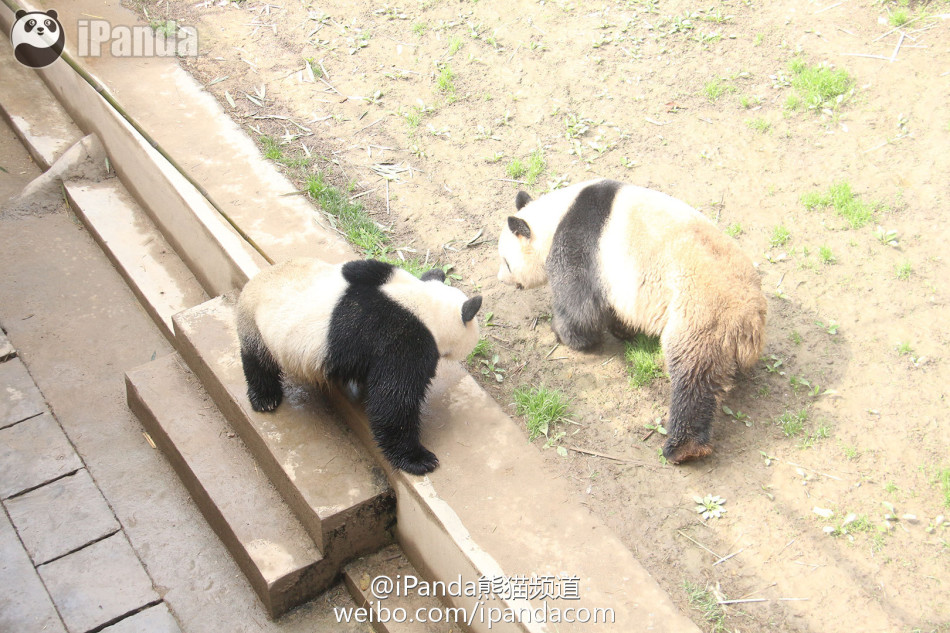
x,y
38,38
628,259
364,321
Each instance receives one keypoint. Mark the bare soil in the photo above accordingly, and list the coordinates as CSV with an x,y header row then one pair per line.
x,y
623,89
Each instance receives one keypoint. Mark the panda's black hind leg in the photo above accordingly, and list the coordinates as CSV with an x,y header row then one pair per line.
x,y
263,376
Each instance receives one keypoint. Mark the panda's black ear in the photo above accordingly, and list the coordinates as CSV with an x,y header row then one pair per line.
x,y
519,227
470,308
52,13
522,199
20,14
436,273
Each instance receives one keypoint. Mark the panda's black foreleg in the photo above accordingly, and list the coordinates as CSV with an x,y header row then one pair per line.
x,y
692,408
262,374
393,401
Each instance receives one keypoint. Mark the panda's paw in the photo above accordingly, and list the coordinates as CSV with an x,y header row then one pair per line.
x,y
265,402
685,451
420,462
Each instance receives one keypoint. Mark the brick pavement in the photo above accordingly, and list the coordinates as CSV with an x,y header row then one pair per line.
x,y
65,561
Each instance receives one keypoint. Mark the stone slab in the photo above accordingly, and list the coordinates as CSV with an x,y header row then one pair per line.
x,y
37,118
33,453
160,280
157,619
393,565
61,517
98,584
264,538
24,603
6,348
19,397
318,465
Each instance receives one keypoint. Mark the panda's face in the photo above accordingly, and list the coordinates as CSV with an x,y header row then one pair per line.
x,y
522,265
454,336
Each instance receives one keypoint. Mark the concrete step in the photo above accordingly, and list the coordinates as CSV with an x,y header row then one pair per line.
x,y
318,465
411,611
268,543
34,114
154,272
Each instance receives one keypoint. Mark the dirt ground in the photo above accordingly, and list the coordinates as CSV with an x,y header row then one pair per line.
x,y
441,96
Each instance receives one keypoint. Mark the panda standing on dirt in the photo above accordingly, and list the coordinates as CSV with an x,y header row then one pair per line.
x,y
628,259
365,321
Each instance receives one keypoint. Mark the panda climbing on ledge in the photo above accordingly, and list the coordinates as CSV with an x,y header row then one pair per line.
x,y
629,259
364,321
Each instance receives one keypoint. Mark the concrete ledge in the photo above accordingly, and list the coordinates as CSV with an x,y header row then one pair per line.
x,y
267,542
314,460
152,269
495,527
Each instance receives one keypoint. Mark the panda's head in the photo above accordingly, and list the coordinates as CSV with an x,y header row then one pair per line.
x,y
38,38
522,250
446,311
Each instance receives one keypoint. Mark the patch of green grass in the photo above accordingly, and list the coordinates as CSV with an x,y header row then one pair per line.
x,y
780,236
792,423
795,337
716,87
482,348
644,358
704,601
445,82
904,348
899,17
529,169
419,28
734,230
747,102
413,117
851,452
846,204
826,256
542,408
943,480
817,87
904,270
759,124
274,152
350,217
455,44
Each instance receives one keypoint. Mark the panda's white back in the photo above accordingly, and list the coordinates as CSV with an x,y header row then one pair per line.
x,y
292,304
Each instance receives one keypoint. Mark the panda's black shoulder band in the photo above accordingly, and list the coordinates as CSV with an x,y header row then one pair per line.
x,y
367,272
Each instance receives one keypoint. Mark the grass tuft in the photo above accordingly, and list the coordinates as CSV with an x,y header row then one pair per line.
x,y
542,408
351,217
793,424
817,87
839,196
705,601
644,359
